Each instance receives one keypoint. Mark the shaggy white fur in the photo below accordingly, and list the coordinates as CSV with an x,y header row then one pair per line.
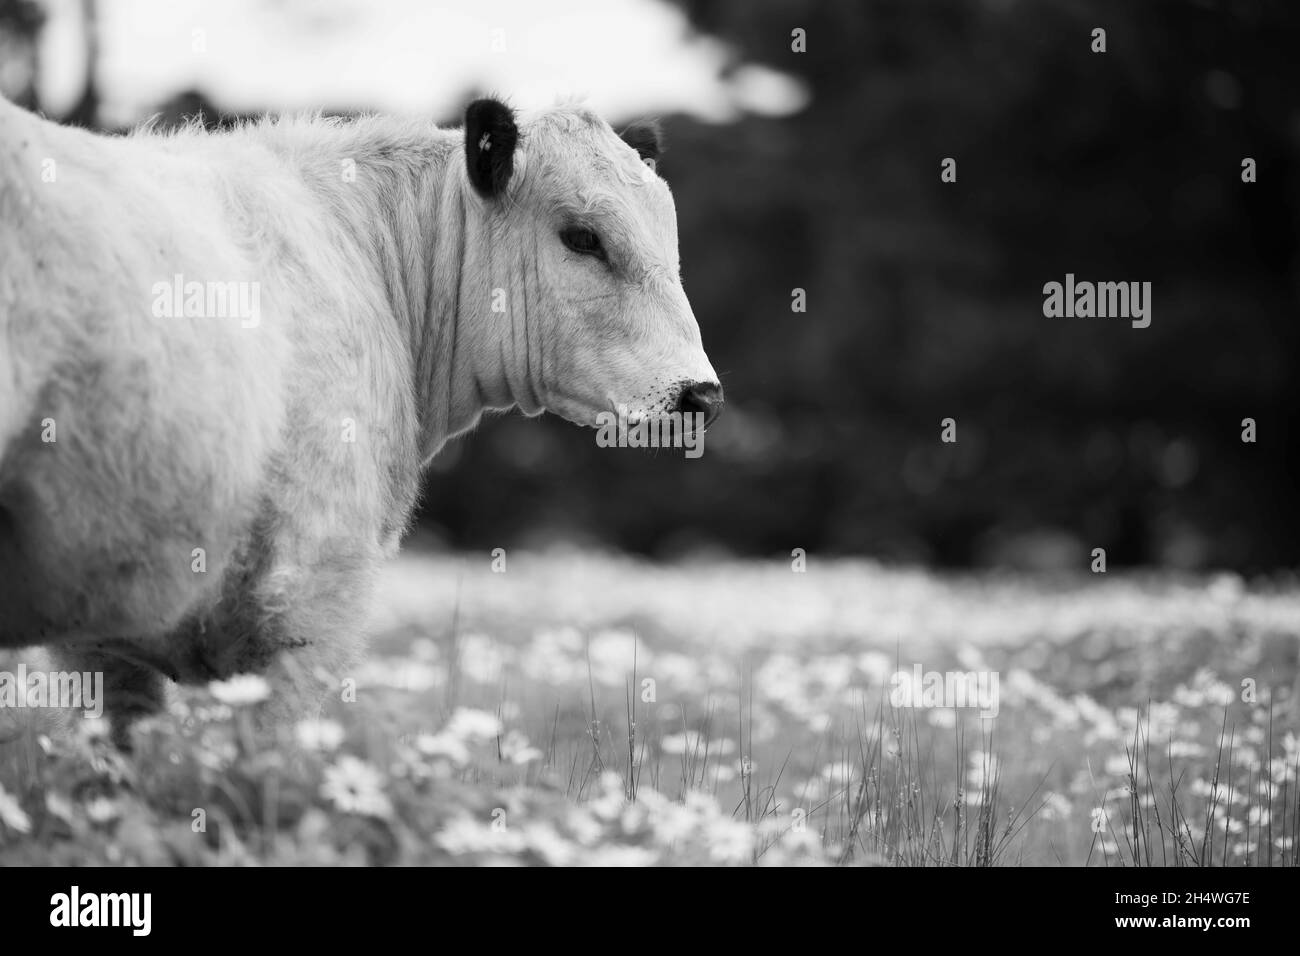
x,y
190,493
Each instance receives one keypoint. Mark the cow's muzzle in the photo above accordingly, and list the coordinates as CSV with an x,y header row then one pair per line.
x,y
702,398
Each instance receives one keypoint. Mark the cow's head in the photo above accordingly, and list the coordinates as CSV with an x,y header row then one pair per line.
x,y
583,222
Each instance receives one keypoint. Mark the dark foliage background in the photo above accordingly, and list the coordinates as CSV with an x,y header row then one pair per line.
x,y
925,299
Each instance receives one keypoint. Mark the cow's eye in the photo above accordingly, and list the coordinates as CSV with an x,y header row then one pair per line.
x,y
582,241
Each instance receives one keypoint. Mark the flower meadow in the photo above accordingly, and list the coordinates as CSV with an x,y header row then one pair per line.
x,y
592,709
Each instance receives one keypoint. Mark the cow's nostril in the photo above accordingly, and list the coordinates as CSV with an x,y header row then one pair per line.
x,y
702,398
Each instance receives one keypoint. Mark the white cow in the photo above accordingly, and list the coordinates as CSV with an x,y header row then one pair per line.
x,y
225,359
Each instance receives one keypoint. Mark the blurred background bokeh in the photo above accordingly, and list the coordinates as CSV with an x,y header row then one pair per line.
x,y
819,170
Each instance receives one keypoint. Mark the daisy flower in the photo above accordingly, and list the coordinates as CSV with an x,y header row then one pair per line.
x,y
354,786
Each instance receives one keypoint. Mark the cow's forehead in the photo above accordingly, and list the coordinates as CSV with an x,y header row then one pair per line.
x,y
573,149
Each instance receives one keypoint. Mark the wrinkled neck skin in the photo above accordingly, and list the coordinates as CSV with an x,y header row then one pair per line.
x,y
442,257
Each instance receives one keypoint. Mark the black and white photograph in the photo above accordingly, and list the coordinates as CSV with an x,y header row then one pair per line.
x,y
650,433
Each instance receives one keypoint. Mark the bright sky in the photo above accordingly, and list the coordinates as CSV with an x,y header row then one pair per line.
x,y
625,57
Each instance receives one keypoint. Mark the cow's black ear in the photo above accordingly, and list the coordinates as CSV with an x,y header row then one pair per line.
x,y
647,138
490,139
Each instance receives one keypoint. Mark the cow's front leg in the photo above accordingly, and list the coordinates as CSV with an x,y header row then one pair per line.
x,y
132,688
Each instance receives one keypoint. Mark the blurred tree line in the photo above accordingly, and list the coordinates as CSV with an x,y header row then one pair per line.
x,y
924,299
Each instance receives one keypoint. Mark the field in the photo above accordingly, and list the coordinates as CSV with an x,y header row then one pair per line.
x,y
582,708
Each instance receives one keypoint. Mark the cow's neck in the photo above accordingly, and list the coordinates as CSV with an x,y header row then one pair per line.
x,y
441,265
468,335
